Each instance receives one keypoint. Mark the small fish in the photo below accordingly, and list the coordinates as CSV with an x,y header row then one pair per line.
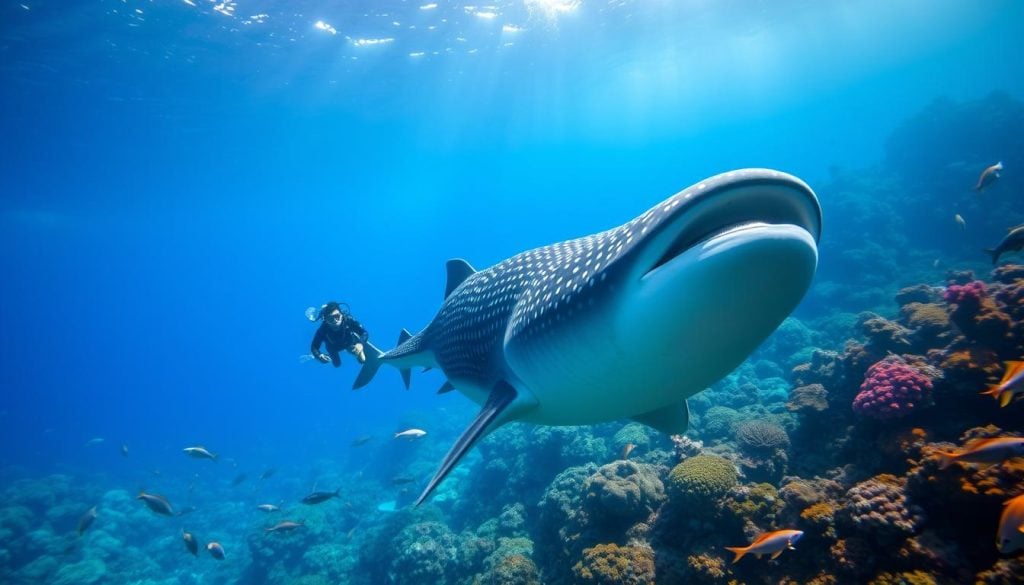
x,y
185,510
94,441
200,452
1010,535
86,520
626,450
320,497
216,550
267,474
360,441
124,450
286,526
960,222
772,543
158,504
401,480
238,479
990,451
268,508
1010,385
988,176
1012,242
190,543
411,434
935,264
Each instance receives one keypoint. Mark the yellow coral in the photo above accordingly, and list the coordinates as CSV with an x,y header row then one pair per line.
x,y
820,513
614,564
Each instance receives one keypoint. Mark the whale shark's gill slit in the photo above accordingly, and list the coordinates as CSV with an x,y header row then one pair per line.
x,y
500,397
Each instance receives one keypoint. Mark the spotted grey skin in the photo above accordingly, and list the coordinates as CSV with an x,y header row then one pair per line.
x,y
583,331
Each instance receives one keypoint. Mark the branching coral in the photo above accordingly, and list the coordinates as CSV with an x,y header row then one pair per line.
x,y
761,437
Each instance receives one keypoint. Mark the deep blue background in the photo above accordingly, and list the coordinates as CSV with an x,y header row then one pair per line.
x,y
177,186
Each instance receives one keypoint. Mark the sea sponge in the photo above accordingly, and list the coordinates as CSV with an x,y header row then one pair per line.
x,y
612,564
809,399
892,389
926,318
623,493
425,552
756,504
510,564
700,481
760,437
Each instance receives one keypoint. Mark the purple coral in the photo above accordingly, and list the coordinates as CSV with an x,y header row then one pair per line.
x,y
892,389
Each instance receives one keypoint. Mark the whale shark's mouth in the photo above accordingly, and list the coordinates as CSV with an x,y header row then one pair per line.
x,y
731,204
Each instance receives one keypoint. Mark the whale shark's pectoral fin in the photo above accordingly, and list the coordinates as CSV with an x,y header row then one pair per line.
x,y
446,387
671,420
502,397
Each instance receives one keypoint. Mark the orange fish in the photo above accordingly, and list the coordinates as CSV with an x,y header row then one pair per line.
x,y
626,450
1010,385
1010,536
990,451
988,176
772,543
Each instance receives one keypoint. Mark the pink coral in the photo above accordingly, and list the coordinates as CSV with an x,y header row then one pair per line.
x,y
892,389
966,295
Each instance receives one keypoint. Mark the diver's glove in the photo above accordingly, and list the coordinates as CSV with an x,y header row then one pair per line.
x,y
357,349
323,357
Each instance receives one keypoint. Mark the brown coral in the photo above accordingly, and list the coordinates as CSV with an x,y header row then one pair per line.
x,y
612,564
808,399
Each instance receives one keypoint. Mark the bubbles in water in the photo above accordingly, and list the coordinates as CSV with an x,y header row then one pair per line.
x,y
305,358
311,313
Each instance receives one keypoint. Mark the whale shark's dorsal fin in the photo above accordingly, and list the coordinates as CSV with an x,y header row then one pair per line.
x,y
671,420
458,271
501,396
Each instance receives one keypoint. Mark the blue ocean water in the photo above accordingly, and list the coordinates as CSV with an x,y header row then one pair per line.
x,y
180,180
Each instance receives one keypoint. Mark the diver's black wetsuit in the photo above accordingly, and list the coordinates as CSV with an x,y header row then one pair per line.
x,y
350,333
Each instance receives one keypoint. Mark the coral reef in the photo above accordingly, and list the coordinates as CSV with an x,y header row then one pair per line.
x,y
698,482
892,389
610,564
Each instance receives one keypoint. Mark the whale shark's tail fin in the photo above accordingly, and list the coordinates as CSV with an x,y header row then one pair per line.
x,y
501,397
370,366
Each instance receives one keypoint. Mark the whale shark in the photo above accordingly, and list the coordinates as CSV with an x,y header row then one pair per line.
x,y
623,324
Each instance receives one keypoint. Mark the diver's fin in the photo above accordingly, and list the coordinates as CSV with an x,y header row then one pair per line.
x,y
671,420
501,396
370,366
446,387
404,336
458,271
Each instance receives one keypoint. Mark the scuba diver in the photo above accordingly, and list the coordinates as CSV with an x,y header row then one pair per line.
x,y
339,331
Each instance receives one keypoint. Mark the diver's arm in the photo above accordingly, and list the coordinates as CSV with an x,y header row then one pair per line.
x,y
357,332
314,348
